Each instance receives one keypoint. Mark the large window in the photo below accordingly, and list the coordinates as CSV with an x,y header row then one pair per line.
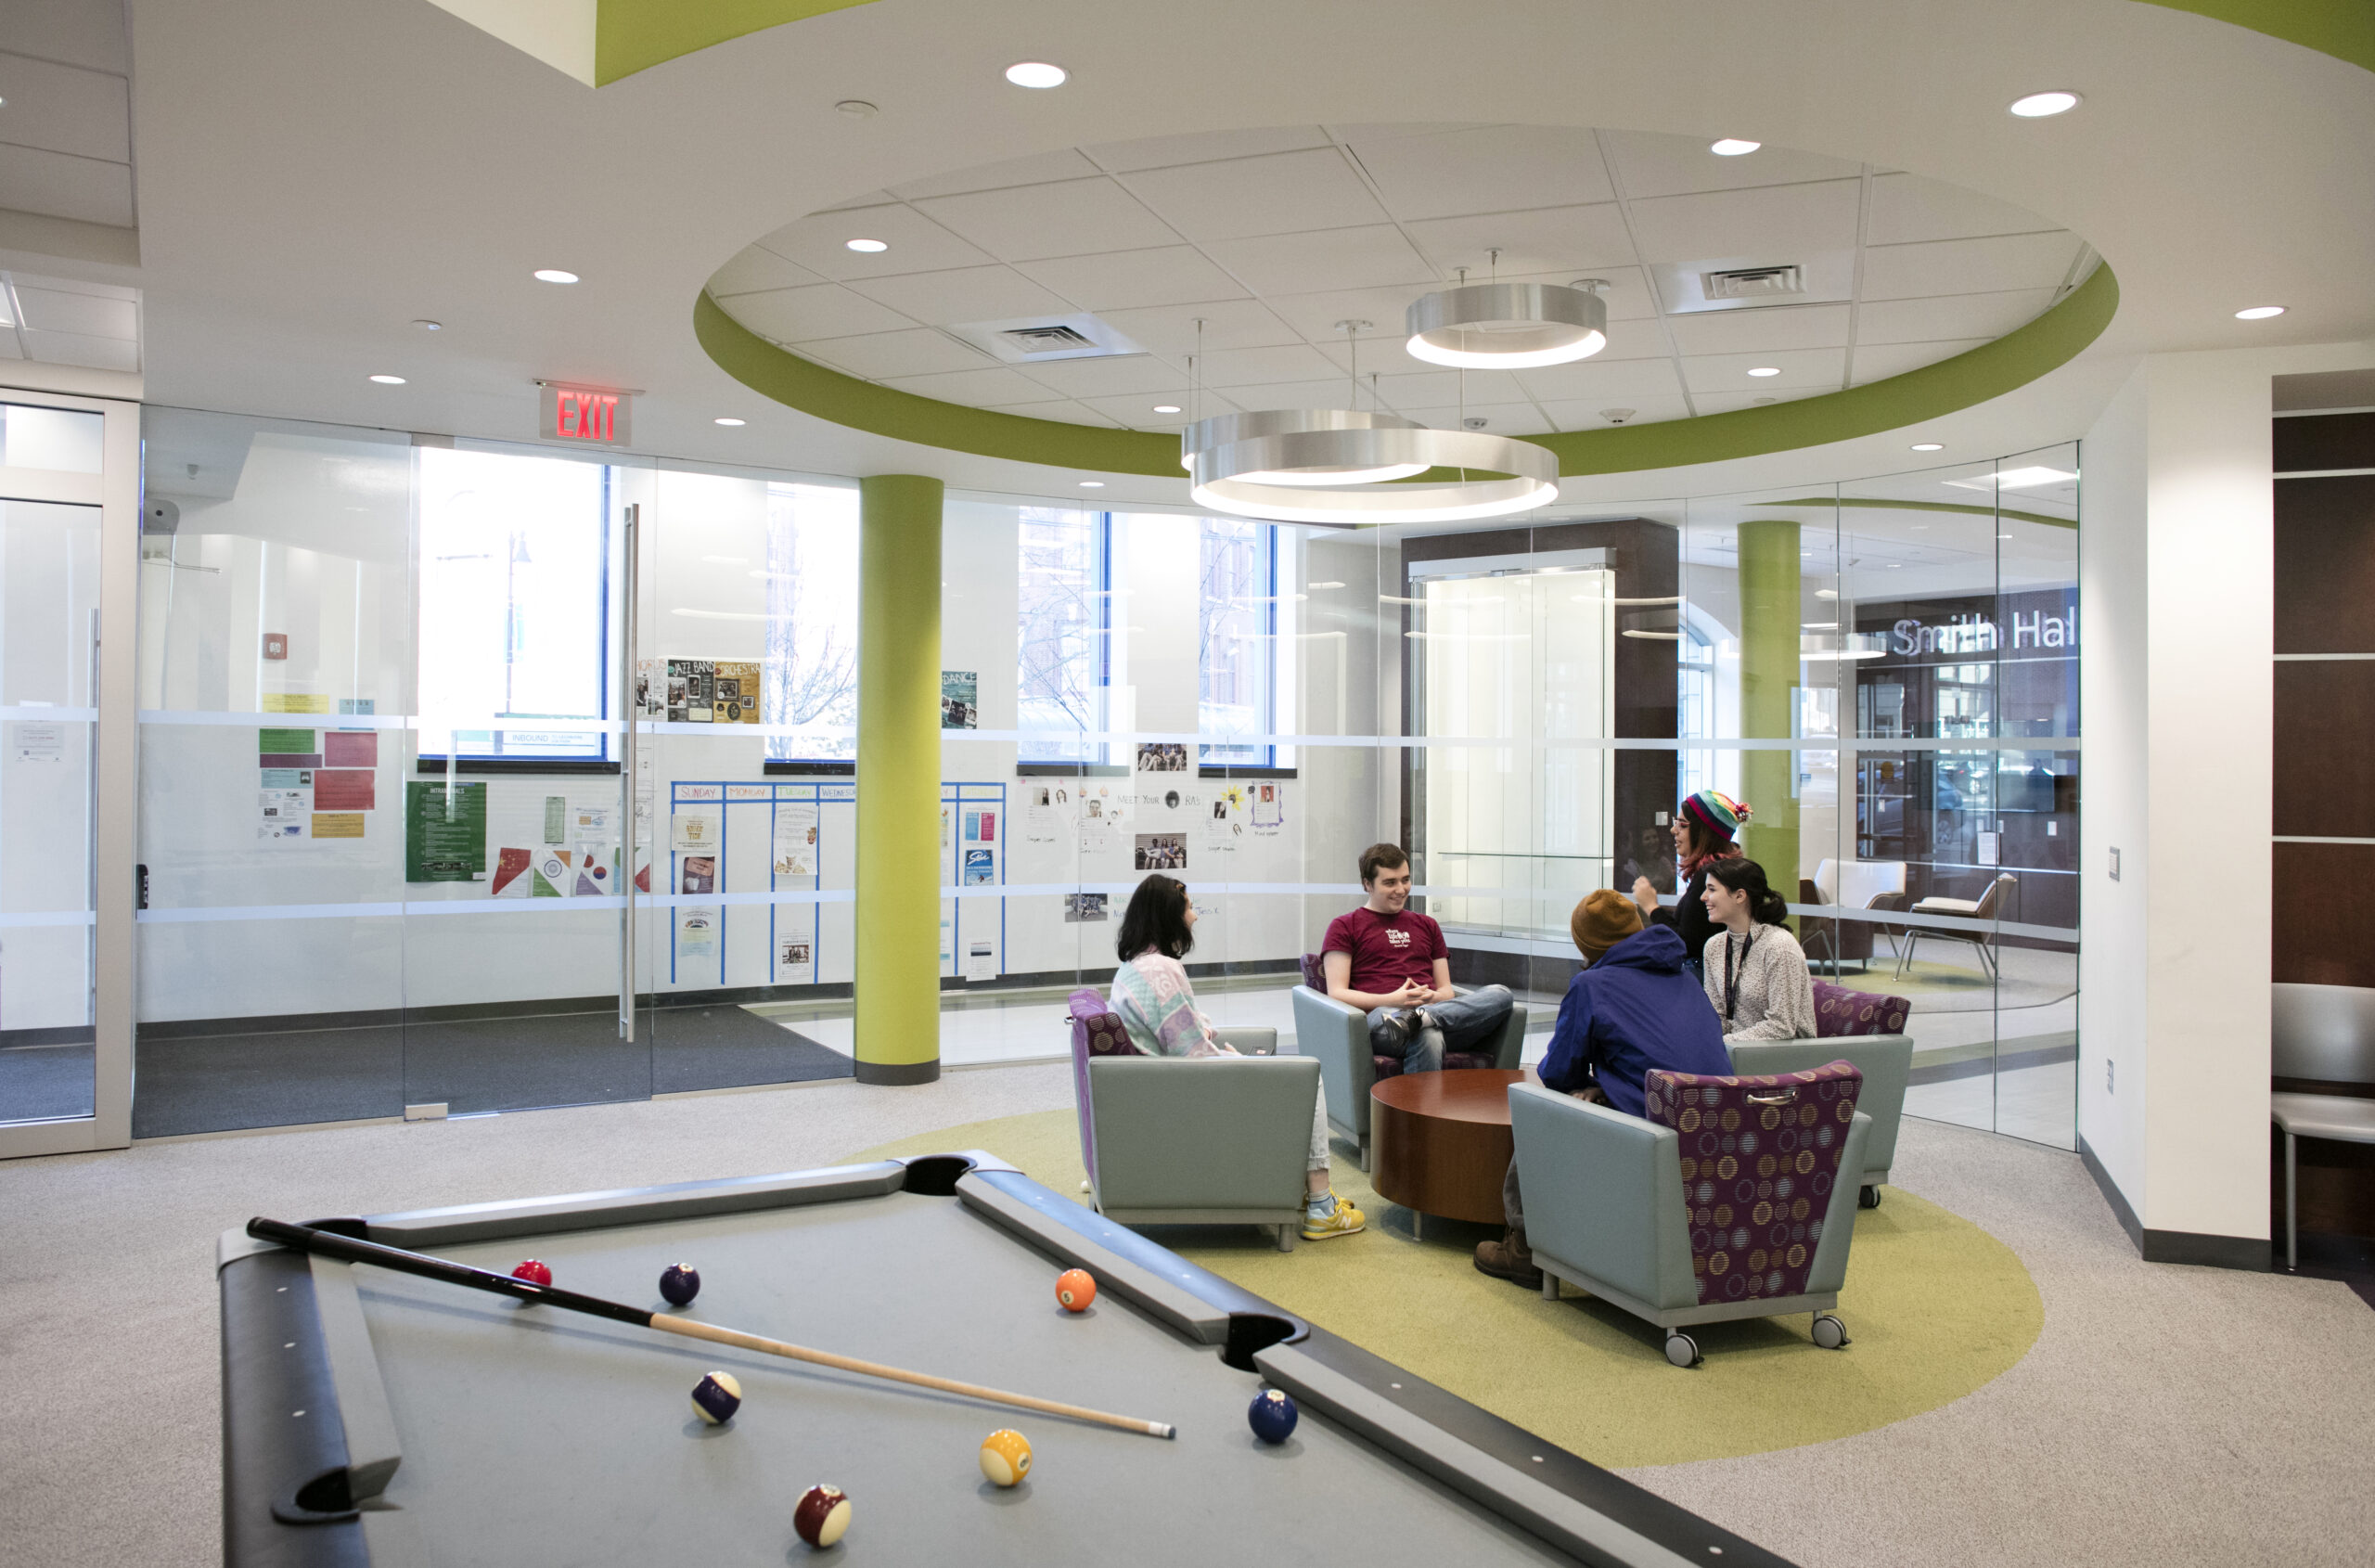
x,y
810,679
1238,641
1065,635
515,558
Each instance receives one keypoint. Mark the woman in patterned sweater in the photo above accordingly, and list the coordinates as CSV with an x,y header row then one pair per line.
x,y
1157,1004
1755,970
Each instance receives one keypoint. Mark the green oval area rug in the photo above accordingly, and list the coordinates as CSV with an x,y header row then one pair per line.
x,y
1935,1307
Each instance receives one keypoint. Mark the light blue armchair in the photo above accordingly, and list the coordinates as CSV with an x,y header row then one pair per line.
x,y
1886,1061
1338,1035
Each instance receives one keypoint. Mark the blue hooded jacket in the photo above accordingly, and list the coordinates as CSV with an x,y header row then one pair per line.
x,y
1636,1010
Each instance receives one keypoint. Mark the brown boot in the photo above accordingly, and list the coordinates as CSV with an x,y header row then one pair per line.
x,y
1510,1259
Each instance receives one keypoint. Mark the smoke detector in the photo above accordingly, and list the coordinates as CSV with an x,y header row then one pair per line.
x,y
1474,421
1616,415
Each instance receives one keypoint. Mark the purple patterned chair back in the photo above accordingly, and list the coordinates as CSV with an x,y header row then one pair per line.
x,y
1840,1011
1096,1030
1314,974
1760,1157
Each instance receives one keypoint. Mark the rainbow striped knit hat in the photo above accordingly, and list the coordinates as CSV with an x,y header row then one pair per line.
x,y
1717,813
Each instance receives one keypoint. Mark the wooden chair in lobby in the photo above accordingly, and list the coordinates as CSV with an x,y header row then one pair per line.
x,y
1338,1037
1174,1141
1984,908
2324,1035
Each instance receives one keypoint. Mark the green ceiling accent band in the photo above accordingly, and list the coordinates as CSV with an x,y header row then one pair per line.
x,y
1877,504
632,35
2344,29
1990,370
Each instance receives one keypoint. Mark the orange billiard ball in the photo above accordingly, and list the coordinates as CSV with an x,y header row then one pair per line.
x,y
1006,1457
1075,1288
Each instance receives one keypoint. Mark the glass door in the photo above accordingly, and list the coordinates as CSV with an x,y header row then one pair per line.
x,y
66,501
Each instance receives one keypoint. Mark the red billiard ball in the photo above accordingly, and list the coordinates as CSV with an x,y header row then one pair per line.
x,y
1075,1288
822,1516
533,1272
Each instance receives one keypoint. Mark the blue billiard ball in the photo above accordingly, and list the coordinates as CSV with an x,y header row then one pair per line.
x,y
1272,1416
680,1284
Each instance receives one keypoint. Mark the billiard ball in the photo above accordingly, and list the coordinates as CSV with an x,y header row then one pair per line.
x,y
1006,1457
822,1516
1272,1416
680,1282
1075,1288
533,1272
716,1398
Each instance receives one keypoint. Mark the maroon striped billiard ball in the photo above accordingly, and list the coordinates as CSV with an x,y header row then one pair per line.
x,y
822,1516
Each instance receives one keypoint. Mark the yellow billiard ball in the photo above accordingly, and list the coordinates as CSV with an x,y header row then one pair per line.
x,y
1006,1457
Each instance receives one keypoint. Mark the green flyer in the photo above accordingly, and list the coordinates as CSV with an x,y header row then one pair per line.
x,y
442,846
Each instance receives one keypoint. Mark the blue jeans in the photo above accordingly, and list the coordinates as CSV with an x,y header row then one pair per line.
x,y
1462,1023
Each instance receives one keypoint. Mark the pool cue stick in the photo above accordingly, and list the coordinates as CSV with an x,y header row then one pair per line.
x,y
347,1249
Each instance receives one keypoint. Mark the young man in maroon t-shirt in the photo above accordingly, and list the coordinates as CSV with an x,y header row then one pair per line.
x,y
1391,961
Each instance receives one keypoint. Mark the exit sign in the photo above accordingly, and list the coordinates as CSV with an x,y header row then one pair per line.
x,y
593,416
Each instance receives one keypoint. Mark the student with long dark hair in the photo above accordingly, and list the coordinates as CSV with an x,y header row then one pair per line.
x,y
1755,971
1156,1004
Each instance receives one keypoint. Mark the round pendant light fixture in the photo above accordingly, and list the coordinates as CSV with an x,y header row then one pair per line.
x,y
1506,325
1337,468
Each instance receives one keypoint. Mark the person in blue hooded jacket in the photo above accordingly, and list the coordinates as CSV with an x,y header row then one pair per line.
x,y
1631,1008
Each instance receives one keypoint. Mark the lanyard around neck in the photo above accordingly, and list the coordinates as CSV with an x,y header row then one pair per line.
x,y
1732,980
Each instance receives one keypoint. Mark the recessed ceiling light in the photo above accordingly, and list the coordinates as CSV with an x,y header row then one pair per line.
x,y
1929,446
554,275
1895,564
1035,73
2014,479
868,246
1765,370
426,325
728,421
1732,146
389,380
1092,484
1166,408
2259,312
2038,106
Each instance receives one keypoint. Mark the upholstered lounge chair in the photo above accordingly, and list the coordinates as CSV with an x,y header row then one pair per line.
x,y
1338,1037
1867,1030
1732,1200
1178,1141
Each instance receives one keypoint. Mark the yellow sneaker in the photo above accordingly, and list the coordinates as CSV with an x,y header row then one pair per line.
x,y
1342,1219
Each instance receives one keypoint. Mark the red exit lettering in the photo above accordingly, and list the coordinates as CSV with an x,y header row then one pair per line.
x,y
590,415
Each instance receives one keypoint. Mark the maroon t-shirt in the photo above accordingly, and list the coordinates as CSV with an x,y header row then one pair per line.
x,y
1387,949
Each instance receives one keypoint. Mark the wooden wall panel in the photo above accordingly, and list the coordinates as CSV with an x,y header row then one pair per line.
x,y
2324,441
2325,749
2325,914
2325,565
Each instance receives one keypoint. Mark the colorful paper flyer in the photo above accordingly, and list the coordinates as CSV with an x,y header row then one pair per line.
x,y
344,789
338,824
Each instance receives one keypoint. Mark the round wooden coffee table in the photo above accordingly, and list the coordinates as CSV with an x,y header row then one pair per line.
x,y
1440,1143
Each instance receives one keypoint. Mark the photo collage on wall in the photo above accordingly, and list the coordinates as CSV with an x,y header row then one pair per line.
x,y
699,690
315,784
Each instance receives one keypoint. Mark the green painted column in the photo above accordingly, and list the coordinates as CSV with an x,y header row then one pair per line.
x,y
1769,695
899,873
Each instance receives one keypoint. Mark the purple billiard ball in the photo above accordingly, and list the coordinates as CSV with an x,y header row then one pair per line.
x,y
716,1398
1272,1416
680,1282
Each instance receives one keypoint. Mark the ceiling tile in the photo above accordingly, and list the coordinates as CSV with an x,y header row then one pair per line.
x,y
86,35
1947,316
76,348
1730,401
981,389
1281,194
1907,207
1065,412
1326,391
1590,414
1653,164
821,310
819,243
54,311
1108,377
71,286
1239,367
870,199
1500,418
1771,225
59,109
1170,330
1137,410
1489,169
1342,258
1408,388
1157,152
1068,218
1120,279
1633,340
916,351
55,186
1596,382
1878,362
1766,327
968,294
1968,266
1570,241
1819,368
1315,315
9,349
1064,164
756,267
1627,292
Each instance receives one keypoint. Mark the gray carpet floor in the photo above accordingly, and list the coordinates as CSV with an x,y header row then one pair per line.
x,y
2167,1416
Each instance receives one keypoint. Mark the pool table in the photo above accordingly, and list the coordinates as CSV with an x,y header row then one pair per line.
x,y
373,1417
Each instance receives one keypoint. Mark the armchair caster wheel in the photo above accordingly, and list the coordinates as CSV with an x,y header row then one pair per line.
x,y
1869,1197
1682,1350
1829,1333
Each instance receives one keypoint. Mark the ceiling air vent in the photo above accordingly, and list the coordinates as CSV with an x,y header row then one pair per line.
x,y
1752,283
1028,339
1056,339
